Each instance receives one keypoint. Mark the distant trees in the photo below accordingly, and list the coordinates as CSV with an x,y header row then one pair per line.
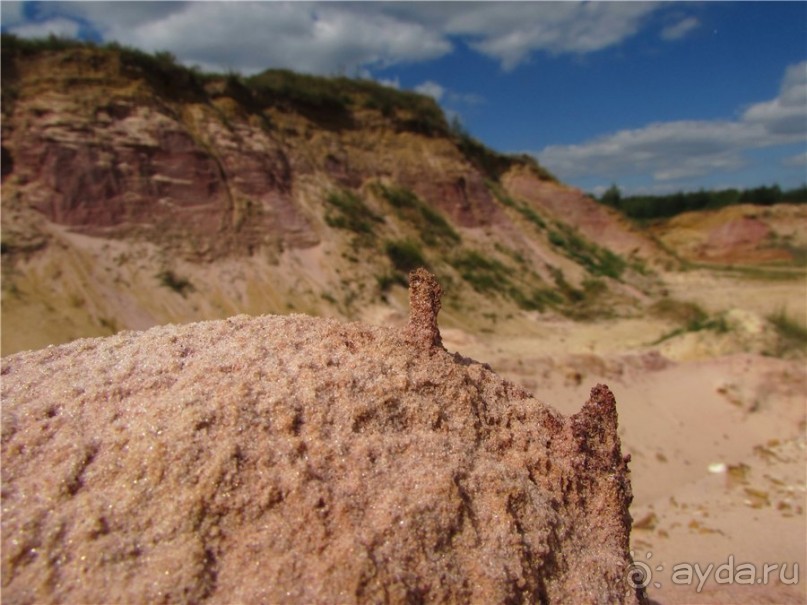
x,y
612,197
645,207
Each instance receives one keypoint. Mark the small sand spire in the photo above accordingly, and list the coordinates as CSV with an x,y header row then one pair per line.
x,y
424,305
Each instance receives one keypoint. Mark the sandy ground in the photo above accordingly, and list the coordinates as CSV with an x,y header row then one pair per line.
x,y
726,291
718,444
716,433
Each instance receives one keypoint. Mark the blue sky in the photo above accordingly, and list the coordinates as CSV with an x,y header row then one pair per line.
x,y
652,96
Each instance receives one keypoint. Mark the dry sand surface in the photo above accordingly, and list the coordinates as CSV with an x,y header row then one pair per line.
x,y
716,435
303,460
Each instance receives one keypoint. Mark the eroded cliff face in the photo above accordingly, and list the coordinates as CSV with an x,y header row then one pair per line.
x,y
105,154
99,150
133,197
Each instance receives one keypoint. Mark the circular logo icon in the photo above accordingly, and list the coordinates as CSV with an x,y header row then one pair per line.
x,y
639,575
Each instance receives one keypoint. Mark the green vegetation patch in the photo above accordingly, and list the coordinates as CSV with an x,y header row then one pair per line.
x,y
523,209
333,99
647,207
491,276
596,259
432,226
320,99
485,275
349,212
492,163
693,317
532,216
792,334
409,110
405,255
568,291
178,284
535,299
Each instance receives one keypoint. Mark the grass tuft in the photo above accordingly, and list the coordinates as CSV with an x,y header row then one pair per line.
x,y
482,273
434,229
693,317
347,211
792,334
596,259
171,280
405,255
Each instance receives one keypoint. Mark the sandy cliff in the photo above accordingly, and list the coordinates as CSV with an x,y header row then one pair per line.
x,y
137,193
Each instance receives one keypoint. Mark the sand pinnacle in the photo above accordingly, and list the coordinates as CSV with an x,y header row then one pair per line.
x,y
424,305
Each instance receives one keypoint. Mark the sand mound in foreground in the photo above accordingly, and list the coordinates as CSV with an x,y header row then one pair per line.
x,y
294,459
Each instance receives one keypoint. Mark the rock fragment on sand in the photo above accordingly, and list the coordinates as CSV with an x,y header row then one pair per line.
x,y
424,305
301,460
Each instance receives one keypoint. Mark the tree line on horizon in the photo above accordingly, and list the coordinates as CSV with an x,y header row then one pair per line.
x,y
647,207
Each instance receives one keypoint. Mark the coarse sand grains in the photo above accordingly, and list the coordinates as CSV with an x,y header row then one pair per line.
x,y
302,460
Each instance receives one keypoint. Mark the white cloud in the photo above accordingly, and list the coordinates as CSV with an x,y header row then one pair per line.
x,y
686,149
440,93
678,30
786,115
305,37
108,14
329,37
323,38
63,28
799,160
510,32
389,83
432,89
670,150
